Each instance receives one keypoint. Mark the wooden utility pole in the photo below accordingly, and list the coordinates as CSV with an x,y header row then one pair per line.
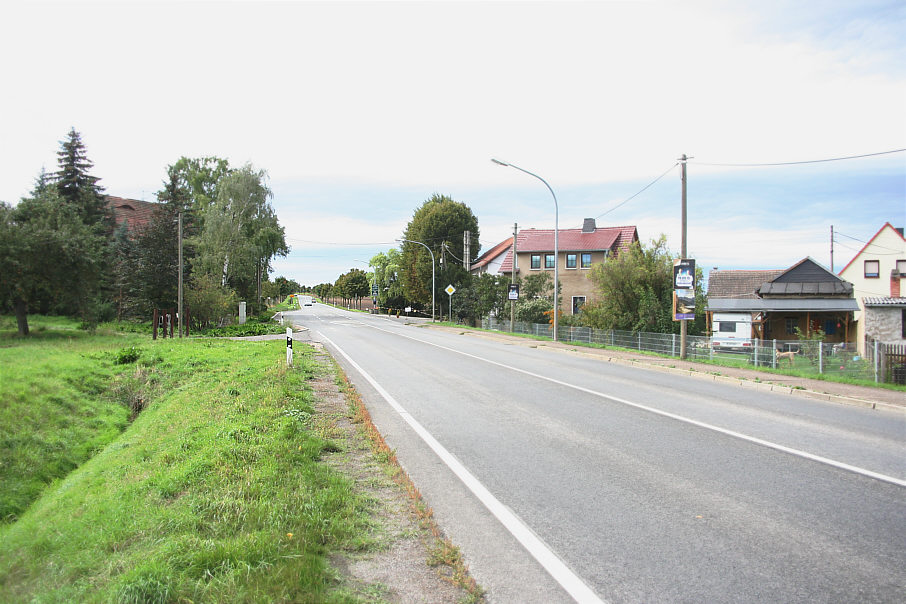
x,y
683,326
179,310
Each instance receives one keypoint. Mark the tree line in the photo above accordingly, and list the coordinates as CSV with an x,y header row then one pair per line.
x,y
634,288
61,251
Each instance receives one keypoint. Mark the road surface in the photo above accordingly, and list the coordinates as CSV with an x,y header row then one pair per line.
x,y
563,478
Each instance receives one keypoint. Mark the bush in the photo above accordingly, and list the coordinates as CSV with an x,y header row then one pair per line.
x,y
127,355
209,301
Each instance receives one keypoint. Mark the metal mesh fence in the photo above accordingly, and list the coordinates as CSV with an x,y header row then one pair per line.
x,y
804,356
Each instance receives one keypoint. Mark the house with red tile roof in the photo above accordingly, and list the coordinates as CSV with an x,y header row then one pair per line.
x,y
578,251
134,213
491,260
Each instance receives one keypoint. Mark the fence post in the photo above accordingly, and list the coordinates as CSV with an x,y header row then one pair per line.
x,y
640,340
756,352
154,326
820,357
876,360
673,345
774,355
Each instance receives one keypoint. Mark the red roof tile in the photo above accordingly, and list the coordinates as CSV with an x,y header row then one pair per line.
x,y
492,253
613,239
739,284
135,213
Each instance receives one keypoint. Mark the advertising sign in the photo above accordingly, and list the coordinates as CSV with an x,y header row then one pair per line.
x,y
513,292
684,289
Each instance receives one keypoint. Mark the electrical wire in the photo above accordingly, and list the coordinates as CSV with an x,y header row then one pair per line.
x,y
340,242
892,251
642,190
793,163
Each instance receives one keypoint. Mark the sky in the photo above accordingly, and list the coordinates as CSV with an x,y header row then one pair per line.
x,y
361,111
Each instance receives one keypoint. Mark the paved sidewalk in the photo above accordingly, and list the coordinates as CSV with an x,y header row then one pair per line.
x,y
825,390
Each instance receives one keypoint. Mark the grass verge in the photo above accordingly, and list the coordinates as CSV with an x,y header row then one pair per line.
x,y
213,493
443,554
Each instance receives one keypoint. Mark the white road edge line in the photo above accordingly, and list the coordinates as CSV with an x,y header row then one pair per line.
x,y
752,439
561,573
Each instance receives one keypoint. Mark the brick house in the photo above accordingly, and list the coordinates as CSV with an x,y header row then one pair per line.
x,y
578,251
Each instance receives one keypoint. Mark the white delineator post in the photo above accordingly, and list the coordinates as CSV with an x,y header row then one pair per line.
x,y
289,347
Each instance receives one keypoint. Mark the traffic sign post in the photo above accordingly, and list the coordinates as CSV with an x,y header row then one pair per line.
x,y
450,291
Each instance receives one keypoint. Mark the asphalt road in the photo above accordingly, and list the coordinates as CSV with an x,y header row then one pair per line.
x,y
563,478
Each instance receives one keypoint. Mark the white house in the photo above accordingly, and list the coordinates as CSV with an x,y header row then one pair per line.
x,y
877,273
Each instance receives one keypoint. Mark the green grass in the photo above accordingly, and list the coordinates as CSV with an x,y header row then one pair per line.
x,y
213,493
56,405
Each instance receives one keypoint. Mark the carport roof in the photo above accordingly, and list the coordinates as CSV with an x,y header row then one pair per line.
x,y
783,305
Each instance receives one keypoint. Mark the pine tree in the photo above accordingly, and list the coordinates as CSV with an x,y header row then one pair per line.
x,y
79,188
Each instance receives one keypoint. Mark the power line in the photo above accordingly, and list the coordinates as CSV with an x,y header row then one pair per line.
x,y
877,245
810,161
343,243
642,190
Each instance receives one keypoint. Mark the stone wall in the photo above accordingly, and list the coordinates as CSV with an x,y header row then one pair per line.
x,y
884,324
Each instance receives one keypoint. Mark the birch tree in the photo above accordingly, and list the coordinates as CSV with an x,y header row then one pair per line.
x,y
241,233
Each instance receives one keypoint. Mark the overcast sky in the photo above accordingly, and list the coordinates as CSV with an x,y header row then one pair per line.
x,y
360,111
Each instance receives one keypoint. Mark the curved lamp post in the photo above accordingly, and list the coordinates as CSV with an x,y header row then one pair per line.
x,y
432,270
556,239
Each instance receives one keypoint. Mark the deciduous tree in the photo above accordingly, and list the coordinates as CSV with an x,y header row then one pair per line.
x,y
241,233
439,223
636,291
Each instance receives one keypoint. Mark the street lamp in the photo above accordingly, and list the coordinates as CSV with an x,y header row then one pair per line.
x,y
432,270
556,239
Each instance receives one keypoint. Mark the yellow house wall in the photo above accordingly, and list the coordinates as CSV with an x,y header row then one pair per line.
x,y
575,281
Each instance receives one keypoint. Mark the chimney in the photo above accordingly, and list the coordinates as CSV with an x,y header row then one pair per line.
x,y
894,284
589,225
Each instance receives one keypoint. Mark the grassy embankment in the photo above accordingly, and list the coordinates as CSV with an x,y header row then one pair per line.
x,y
197,475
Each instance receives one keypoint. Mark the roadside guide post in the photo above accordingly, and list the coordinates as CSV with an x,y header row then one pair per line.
x,y
289,347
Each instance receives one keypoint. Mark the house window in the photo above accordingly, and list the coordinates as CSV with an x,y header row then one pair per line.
x,y
901,267
570,261
548,261
791,324
586,260
536,262
903,325
872,268
830,327
578,303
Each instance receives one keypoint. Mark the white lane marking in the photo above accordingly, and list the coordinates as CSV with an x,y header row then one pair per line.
x,y
752,439
535,546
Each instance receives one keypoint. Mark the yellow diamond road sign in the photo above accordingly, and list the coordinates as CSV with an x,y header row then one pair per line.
x,y
450,289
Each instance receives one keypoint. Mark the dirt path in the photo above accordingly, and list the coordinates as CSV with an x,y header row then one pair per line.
x,y
412,568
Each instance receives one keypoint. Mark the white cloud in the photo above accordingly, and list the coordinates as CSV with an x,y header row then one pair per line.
x,y
409,99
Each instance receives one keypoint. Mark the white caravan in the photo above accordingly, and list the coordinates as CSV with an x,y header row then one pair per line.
x,y
731,331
